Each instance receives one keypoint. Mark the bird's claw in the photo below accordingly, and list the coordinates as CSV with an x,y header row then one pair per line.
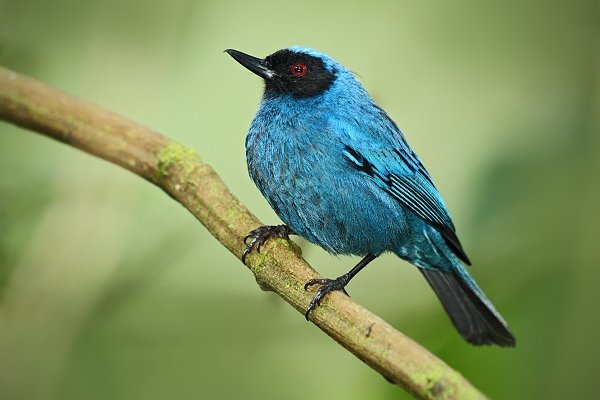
x,y
261,234
327,285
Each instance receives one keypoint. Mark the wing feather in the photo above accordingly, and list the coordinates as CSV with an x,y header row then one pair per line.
x,y
403,176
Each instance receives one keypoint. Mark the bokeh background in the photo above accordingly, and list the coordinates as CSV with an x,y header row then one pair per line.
x,y
110,290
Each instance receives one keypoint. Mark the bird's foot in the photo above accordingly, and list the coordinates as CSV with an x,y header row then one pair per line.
x,y
327,285
261,234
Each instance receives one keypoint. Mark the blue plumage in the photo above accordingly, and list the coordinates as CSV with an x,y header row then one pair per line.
x,y
339,172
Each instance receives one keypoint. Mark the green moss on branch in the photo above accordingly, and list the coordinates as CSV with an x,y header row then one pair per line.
x,y
185,158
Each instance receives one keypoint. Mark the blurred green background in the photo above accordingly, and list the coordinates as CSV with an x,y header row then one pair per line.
x,y
111,290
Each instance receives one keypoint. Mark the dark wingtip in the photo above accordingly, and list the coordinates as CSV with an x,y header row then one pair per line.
x,y
466,259
452,241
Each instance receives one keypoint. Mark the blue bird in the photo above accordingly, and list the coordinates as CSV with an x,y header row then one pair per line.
x,y
338,172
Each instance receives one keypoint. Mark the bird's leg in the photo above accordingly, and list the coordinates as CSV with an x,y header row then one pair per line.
x,y
263,233
329,285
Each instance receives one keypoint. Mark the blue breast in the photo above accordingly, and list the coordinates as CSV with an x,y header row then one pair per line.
x,y
297,161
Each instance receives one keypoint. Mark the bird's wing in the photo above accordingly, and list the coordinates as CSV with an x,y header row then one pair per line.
x,y
400,173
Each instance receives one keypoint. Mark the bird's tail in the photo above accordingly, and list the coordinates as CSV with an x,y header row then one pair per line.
x,y
470,311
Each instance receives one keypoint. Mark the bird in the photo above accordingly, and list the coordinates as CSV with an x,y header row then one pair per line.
x,y
339,172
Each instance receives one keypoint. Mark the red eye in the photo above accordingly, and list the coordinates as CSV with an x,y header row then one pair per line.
x,y
299,70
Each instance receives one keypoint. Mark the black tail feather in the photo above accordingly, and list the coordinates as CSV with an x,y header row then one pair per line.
x,y
475,319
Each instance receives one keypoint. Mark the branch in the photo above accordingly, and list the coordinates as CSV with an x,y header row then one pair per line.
x,y
178,170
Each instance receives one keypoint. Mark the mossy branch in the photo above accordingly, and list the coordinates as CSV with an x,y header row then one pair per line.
x,y
178,170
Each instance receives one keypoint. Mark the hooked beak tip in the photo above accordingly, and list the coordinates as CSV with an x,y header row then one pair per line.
x,y
255,65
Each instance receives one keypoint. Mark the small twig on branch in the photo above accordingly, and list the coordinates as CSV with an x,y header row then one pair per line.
x,y
279,267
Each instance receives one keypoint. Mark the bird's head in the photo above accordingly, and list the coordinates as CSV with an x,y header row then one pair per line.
x,y
296,71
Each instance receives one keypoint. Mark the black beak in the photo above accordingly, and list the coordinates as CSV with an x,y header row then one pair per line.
x,y
254,64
